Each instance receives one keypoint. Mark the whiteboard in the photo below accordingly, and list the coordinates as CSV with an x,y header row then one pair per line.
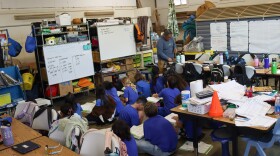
x,y
264,36
116,41
218,33
239,36
68,62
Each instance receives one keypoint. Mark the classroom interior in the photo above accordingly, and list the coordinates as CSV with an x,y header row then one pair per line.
x,y
76,76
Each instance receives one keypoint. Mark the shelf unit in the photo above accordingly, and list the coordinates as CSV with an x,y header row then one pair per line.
x,y
39,32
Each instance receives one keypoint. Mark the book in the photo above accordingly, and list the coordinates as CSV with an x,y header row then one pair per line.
x,y
137,131
170,118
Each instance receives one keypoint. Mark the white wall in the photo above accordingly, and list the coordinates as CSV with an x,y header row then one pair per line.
x,y
162,5
9,8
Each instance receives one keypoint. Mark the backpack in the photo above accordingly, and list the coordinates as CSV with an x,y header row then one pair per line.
x,y
239,74
43,118
190,74
25,112
171,70
217,74
138,35
122,151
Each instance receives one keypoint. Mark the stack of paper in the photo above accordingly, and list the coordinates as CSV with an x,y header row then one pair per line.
x,y
263,97
170,118
203,148
197,101
87,107
120,93
230,90
137,131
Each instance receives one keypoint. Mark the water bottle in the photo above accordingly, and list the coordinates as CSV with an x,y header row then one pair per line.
x,y
7,135
221,58
274,66
277,106
256,61
227,57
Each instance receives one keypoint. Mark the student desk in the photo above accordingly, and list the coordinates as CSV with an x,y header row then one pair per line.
x,y
21,133
267,74
196,117
42,141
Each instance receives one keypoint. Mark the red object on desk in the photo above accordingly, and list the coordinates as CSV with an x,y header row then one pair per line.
x,y
216,109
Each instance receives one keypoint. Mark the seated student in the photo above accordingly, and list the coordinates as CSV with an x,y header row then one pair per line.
x,y
122,130
168,94
112,91
66,110
131,114
70,98
160,137
186,123
105,108
157,82
142,86
130,91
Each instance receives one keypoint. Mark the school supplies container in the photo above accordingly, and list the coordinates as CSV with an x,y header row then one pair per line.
x,y
199,109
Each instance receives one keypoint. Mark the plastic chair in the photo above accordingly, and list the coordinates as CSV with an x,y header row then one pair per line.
x,y
226,70
202,57
248,59
271,56
222,135
265,142
198,68
250,71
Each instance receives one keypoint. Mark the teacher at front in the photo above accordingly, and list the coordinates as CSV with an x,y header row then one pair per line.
x,y
166,49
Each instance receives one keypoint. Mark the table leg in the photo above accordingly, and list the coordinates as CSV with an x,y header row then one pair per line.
x,y
267,81
195,137
234,141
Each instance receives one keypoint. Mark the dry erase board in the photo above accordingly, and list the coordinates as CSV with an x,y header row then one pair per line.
x,y
116,41
68,61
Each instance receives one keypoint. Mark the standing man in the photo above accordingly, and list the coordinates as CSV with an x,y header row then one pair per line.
x,y
166,49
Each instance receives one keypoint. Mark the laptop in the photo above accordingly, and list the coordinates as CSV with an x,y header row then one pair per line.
x,y
25,147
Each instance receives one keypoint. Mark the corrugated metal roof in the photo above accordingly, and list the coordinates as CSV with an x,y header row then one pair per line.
x,y
252,11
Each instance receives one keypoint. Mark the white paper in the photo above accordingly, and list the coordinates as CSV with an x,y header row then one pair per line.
x,y
137,131
239,33
170,118
263,97
252,108
260,121
218,33
87,107
153,99
120,93
203,148
264,36
197,101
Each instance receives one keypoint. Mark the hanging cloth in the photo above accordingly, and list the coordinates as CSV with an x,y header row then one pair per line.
x,y
143,25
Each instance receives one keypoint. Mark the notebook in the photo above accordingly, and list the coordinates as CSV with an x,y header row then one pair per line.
x,y
25,147
137,131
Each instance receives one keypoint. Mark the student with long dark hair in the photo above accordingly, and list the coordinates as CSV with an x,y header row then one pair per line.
x,y
157,82
112,91
122,130
105,108
70,99
182,84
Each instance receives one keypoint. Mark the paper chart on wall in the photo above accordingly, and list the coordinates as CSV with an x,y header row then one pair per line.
x,y
218,36
264,36
239,33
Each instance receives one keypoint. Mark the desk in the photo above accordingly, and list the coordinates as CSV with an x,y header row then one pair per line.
x,y
196,117
21,133
267,73
42,141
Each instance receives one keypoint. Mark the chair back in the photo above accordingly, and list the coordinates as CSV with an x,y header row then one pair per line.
x,y
250,71
249,59
226,70
198,68
276,129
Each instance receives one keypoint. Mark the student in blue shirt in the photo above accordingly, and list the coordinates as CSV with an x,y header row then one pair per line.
x,y
112,91
160,137
70,99
157,82
142,86
105,108
122,130
168,94
131,114
130,92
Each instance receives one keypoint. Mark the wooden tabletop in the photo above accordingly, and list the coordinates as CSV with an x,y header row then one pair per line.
x,y
42,141
21,133
206,116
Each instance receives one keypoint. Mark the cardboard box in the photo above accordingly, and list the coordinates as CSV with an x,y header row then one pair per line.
x,y
65,88
96,56
108,78
123,67
128,61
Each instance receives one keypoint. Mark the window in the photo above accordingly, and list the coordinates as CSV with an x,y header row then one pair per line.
x,y
180,2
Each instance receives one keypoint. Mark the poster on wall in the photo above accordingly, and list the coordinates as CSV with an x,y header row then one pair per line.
x,y
239,36
218,32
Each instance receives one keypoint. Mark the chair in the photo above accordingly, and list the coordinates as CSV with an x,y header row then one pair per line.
x,y
198,68
248,59
250,71
93,143
226,70
222,135
265,142
202,57
179,68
